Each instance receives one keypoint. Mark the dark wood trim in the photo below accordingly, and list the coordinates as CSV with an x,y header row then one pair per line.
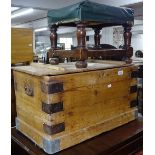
x,y
134,74
53,37
131,146
81,35
106,54
52,108
51,87
81,46
127,36
97,37
127,40
115,53
133,89
54,129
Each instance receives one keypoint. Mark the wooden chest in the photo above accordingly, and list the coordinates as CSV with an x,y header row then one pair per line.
x,y
21,54
21,45
13,97
60,106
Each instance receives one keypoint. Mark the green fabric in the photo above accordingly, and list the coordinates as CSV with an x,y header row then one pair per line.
x,y
90,11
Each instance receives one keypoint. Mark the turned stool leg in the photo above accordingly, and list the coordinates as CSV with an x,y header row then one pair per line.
x,y
127,41
97,37
81,35
81,40
53,39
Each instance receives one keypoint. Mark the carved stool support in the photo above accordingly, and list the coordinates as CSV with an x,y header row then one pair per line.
x,y
81,48
97,37
53,39
81,35
53,36
127,41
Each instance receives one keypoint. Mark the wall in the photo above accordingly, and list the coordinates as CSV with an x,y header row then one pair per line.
x,y
137,42
107,36
44,39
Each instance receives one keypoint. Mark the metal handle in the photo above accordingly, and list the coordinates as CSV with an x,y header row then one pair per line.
x,y
28,89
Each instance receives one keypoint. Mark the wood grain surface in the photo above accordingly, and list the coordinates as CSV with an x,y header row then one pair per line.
x,y
21,45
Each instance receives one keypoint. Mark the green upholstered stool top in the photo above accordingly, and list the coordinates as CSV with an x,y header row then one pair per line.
x,y
92,14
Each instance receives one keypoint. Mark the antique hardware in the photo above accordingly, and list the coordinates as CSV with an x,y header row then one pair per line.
x,y
28,87
54,129
133,89
52,108
134,74
137,73
51,146
51,87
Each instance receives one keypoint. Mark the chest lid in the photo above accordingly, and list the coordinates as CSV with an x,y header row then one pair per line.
x,y
40,69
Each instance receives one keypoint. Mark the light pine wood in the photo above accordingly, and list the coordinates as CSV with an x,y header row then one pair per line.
x,y
107,61
103,110
21,45
40,69
74,138
94,102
